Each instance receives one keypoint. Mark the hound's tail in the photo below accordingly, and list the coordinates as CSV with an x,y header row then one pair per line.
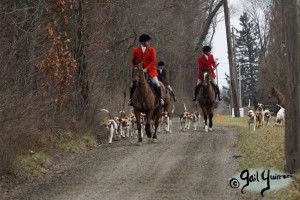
x,y
122,112
105,110
131,112
279,105
184,107
249,104
173,109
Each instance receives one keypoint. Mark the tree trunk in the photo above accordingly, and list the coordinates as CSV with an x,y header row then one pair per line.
x,y
292,56
230,58
82,75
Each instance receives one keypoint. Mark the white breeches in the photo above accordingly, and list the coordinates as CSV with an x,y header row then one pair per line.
x,y
154,80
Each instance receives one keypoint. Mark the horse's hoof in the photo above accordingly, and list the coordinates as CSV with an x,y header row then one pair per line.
x,y
154,140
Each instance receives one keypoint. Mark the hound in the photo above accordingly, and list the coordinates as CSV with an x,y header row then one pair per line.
x,y
124,126
183,118
259,115
267,116
195,119
251,119
111,128
280,117
166,120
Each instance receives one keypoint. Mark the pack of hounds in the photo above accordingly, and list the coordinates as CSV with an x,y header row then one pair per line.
x,y
125,126
262,117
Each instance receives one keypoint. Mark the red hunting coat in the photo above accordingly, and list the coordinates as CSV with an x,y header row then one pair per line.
x,y
148,59
206,63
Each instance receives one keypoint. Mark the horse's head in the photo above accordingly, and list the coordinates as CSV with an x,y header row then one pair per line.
x,y
205,78
272,93
137,73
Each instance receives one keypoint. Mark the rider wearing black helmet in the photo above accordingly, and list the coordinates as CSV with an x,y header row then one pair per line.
x,y
206,61
146,55
162,76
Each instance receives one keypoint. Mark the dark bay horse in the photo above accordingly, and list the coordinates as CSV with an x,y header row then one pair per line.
x,y
206,99
279,96
145,101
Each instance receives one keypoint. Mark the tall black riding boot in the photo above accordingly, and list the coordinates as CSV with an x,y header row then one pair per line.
x,y
159,96
218,92
132,89
196,92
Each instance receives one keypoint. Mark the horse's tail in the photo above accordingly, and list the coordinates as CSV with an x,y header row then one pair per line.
x,y
105,110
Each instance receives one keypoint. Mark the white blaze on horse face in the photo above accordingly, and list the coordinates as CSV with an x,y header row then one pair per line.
x,y
204,74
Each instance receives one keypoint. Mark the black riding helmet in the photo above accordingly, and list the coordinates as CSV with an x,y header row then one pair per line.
x,y
160,63
206,49
144,38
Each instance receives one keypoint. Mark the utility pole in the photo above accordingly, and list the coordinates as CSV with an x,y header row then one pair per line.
x,y
291,52
239,75
230,58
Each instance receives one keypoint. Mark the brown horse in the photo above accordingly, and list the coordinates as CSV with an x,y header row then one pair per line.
x,y
280,97
206,100
144,100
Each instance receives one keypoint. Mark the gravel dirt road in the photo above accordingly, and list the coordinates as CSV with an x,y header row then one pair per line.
x,y
181,165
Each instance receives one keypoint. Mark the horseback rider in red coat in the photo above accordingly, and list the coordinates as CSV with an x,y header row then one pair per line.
x,y
162,76
206,61
146,55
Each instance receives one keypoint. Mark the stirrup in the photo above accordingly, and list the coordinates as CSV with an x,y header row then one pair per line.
x,y
161,102
129,102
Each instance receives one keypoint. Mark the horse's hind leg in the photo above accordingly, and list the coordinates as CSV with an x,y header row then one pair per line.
x,y
139,127
156,123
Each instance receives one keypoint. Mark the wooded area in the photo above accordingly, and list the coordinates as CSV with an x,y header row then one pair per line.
x,y
64,60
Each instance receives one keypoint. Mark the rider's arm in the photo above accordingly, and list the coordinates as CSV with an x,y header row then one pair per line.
x,y
213,62
153,59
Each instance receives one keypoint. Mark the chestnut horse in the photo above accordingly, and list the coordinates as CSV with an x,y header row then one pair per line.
x,y
280,97
144,100
206,99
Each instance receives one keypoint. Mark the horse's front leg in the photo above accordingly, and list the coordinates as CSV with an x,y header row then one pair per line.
x,y
211,114
205,120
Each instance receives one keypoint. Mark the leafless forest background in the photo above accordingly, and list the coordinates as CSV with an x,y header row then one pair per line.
x,y
64,60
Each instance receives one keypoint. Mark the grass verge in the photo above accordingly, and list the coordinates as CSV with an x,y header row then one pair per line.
x,y
263,148
32,164
80,143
